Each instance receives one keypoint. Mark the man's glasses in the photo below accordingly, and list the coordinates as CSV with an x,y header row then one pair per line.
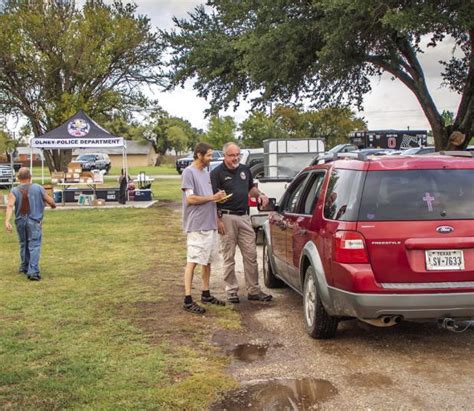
x,y
232,155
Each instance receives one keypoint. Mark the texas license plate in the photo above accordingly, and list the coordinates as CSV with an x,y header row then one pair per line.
x,y
444,259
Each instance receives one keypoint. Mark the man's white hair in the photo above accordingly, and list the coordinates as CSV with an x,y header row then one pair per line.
x,y
227,145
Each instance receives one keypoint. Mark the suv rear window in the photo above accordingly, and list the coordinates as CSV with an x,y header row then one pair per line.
x,y
418,195
343,195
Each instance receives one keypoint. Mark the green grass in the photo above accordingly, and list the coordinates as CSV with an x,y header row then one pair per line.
x,y
164,169
167,189
76,339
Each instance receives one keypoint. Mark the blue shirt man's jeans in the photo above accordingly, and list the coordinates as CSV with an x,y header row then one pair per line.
x,y
29,234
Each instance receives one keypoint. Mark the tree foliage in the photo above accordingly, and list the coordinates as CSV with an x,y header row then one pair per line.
x,y
332,124
167,132
326,51
221,130
56,59
258,127
7,144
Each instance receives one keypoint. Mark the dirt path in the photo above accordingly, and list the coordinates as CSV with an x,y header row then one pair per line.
x,y
411,366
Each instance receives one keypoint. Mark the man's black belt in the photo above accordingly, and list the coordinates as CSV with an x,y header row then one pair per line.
x,y
233,212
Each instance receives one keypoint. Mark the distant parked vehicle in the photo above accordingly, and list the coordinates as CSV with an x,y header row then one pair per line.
x,y
376,151
418,151
215,163
7,175
182,163
342,148
94,161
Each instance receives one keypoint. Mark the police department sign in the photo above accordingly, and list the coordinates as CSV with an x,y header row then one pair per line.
x,y
72,142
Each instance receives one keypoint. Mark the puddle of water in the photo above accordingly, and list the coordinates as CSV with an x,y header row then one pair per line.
x,y
249,352
278,394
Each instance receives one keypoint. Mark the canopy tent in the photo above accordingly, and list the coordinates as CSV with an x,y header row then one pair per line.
x,y
79,131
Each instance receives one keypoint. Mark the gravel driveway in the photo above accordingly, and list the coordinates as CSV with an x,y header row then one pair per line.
x,y
410,366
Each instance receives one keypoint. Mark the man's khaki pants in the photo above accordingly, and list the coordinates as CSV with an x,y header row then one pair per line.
x,y
239,232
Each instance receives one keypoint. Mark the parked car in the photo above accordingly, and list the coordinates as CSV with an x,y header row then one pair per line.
x,y
380,239
342,148
7,175
376,151
94,161
214,163
418,151
182,163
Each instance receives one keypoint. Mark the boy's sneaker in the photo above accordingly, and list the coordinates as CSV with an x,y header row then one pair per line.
x,y
211,300
261,296
233,298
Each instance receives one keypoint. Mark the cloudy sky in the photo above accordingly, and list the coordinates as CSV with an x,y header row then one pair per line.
x,y
389,105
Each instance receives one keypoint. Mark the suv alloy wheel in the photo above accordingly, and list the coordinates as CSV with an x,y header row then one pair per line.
x,y
319,324
269,278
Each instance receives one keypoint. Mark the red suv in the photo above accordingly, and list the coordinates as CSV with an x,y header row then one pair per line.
x,y
380,239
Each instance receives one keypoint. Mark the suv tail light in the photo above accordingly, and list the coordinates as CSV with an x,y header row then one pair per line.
x,y
349,247
252,202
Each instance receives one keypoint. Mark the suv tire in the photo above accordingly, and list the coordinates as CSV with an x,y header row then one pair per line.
x,y
269,278
257,171
319,324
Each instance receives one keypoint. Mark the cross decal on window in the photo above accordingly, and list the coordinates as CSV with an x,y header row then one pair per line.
x,y
429,201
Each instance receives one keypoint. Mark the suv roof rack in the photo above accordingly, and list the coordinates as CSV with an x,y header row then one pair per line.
x,y
327,158
457,153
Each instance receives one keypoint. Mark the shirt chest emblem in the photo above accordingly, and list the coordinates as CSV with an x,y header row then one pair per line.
x,y
227,178
243,176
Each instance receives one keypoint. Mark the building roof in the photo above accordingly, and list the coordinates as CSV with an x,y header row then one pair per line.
x,y
27,151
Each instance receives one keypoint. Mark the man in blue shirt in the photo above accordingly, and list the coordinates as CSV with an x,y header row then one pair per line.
x,y
28,200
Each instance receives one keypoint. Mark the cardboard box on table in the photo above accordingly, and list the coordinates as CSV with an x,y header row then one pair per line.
x,y
86,177
74,167
57,177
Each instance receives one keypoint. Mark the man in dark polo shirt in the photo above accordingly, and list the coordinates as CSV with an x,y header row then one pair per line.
x,y
234,223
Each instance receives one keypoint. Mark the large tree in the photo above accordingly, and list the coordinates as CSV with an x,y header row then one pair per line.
x,y
56,59
326,51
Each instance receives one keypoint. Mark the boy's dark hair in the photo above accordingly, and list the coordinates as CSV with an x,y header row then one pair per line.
x,y
201,148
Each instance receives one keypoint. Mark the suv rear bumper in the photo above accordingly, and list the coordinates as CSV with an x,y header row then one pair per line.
x,y
409,306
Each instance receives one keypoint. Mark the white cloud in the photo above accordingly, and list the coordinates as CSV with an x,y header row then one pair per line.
x,y
161,12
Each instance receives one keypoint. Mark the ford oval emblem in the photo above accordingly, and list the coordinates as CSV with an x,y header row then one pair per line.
x,y
444,229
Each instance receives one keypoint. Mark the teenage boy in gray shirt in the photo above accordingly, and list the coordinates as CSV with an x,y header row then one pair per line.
x,y
200,224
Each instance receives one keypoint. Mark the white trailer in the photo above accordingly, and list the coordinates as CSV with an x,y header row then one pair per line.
x,y
283,160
